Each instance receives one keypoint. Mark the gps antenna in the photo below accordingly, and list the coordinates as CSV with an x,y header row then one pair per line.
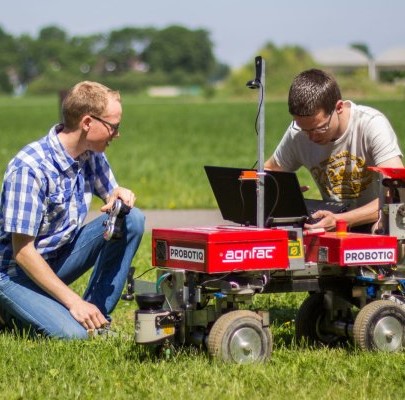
x,y
255,83
259,83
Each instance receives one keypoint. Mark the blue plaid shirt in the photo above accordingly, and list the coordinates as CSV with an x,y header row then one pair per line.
x,y
47,194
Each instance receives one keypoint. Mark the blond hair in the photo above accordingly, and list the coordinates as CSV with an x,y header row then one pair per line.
x,y
86,98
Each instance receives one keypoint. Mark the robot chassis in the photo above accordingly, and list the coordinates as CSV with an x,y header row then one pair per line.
x,y
207,278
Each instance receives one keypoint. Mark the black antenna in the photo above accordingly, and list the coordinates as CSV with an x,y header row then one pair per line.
x,y
256,83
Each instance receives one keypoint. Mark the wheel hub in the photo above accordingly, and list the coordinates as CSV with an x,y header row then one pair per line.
x,y
388,334
245,345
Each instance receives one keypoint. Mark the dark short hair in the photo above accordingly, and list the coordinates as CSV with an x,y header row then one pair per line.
x,y
311,91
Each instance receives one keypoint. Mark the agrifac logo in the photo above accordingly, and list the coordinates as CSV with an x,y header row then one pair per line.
x,y
255,253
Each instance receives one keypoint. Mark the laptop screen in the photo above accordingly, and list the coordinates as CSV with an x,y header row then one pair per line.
x,y
237,199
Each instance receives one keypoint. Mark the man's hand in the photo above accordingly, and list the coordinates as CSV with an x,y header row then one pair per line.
x,y
87,314
124,194
328,220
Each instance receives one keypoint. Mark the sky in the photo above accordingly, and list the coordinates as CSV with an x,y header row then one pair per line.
x,y
238,28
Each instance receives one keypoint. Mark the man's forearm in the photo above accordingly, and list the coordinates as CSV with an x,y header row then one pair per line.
x,y
35,266
366,214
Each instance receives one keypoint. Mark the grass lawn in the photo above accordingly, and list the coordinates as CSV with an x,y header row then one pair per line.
x,y
160,155
117,368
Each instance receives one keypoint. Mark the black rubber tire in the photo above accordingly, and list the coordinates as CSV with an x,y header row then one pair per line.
x,y
308,323
380,325
239,336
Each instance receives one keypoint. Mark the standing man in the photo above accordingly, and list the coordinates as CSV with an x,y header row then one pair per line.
x,y
336,141
44,247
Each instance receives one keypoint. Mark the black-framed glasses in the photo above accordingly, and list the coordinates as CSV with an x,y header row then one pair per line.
x,y
319,129
114,127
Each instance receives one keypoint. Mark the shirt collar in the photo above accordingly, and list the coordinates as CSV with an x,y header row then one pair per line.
x,y
60,155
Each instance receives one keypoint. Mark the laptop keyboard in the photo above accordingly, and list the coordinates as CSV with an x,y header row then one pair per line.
x,y
335,207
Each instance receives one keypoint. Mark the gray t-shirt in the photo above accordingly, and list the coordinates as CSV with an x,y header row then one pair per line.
x,y
340,168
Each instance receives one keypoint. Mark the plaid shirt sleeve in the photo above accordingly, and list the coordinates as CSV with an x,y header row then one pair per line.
x,y
24,202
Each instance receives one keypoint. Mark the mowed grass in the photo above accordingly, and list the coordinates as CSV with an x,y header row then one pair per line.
x,y
160,155
117,368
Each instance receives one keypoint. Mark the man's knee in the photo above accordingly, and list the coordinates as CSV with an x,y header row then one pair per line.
x,y
135,221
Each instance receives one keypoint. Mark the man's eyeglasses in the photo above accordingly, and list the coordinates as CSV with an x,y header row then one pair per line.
x,y
114,127
319,129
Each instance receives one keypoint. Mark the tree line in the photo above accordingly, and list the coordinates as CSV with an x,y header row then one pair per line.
x,y
128,59
132,59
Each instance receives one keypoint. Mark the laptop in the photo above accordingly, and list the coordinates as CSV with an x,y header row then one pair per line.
x,y
284,203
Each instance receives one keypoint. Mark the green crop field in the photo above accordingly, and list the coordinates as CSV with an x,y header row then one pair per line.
x,y
160,155
163,147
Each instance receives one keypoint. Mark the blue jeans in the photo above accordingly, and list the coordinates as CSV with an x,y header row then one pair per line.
x,y
25,306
